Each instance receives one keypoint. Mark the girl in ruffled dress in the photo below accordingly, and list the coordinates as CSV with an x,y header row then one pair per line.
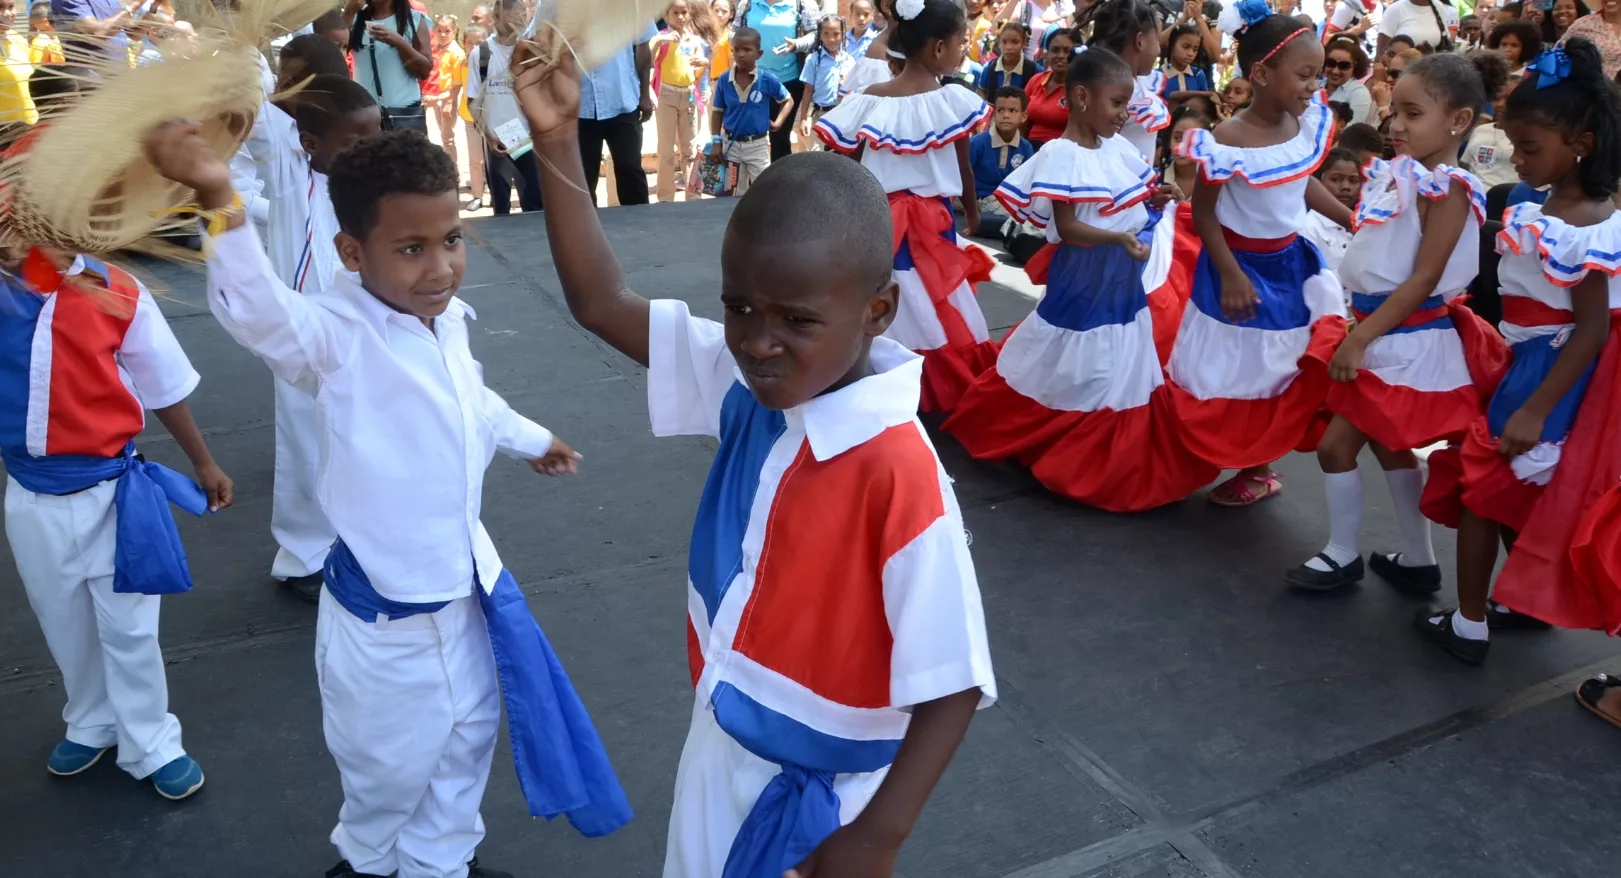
x,y
1077,393
1408,374
1249,370
1541,466
912,134
1130,29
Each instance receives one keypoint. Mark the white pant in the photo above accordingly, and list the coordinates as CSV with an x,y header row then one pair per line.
x,y
410,708
105,644
296,520
716,788
752,158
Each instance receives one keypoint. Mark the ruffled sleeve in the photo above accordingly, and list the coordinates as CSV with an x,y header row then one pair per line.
x,y
1113,176
904,125
1264,166
1147,109
1567,252
866,73
1395,186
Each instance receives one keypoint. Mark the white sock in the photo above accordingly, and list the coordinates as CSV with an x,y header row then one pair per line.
x,y
1469,630
1344,519
1406,486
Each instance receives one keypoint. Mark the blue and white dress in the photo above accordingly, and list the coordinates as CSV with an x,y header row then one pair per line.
x,y
1249,392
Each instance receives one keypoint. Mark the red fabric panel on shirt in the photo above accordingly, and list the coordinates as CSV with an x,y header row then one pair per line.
x,y
1049,113
816,614
91,410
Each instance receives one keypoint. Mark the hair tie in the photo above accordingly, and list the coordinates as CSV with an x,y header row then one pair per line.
x,y
1279,47
1552,67
909,9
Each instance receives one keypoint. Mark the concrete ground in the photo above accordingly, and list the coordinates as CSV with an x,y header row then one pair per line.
x,y
1168,710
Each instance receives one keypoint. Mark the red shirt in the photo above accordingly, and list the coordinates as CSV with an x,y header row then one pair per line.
x,y
1049,112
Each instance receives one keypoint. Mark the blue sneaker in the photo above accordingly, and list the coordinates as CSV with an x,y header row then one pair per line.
x,y
69,758
179,779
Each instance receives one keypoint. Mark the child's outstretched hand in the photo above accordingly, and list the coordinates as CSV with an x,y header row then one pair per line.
x,y
179,152
850,852
548,91
217,485
559,460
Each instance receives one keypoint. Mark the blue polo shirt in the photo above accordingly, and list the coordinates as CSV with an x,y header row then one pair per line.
x,y
748,117
1194,80
66,14
825,74
993,160
777,23
992,77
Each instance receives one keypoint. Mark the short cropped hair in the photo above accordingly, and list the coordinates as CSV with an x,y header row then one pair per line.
x,y
327,99
1008,91
822,191
320,56
390,163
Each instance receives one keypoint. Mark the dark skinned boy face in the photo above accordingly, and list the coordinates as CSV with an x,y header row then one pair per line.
x,y
797,323
348,131
414,258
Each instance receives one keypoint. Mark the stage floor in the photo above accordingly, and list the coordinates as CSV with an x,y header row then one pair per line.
x,y
1168,709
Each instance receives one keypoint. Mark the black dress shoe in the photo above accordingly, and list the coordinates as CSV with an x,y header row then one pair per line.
x,y
474,870
1420,582
1310,579
344,870
1501,618
306,588
1436,626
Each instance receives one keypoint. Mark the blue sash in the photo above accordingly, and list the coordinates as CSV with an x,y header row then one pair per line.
x,y
562,765
149,558
796,811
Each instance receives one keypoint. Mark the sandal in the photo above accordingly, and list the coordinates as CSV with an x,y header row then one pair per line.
x,y
1592,691
1245,489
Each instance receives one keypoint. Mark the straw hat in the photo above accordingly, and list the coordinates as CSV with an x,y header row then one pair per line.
x,y
81,183
596,29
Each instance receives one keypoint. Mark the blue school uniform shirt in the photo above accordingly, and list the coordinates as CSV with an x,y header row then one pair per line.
x,y
1194,80
748,115
993,77
858,46
825,74
614,88
993,159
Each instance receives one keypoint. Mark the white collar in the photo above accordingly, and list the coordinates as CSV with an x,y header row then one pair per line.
x,y
362,305
839,421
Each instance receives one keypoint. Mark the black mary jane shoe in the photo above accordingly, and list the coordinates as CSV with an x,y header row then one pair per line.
x,y
344,870
1436,626
1306,578
474,870
1592,690
305,588
1501,618
1418,582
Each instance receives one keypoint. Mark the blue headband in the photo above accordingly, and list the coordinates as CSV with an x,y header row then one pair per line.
x,y
1552,67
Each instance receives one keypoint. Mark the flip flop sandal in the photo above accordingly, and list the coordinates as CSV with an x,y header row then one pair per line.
x,y
1592,691
1241,490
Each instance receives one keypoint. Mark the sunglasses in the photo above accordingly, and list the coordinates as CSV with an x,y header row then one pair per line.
x,y
1392,75
1338,65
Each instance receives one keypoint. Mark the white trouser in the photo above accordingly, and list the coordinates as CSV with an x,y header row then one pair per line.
x,y
752,158
410,708
105,644
296,520
717,785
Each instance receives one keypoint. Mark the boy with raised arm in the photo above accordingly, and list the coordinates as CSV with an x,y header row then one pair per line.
x,y
826,519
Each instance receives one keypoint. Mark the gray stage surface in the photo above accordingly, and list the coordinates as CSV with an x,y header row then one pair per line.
x,y
1167,709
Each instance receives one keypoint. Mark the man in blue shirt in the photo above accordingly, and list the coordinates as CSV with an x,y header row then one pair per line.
x,y
750,104
996,153
98,23
615,101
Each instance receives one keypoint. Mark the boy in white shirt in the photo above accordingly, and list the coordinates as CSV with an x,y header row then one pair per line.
x,y
1489,153
418,617
1342,177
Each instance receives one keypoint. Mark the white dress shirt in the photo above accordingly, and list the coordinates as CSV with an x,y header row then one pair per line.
x,y
407,427
300,223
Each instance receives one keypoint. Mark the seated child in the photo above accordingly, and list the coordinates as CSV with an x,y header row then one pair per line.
x,y
1182,79
418,616
86,352
1011,67
996,153
800,760
1489,153
1342,176
1362,141
742,110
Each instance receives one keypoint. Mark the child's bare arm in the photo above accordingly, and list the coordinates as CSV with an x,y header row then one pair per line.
x,y
866,847
586,266
183,427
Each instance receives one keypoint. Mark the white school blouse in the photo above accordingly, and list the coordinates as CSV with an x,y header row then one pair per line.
x,y
406,425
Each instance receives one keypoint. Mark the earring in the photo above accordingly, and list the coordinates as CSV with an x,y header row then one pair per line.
x,y
1454,132
1083,108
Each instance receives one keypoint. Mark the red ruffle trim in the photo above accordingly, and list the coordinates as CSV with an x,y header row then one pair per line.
x,y
1243,433
1119,461
1473,476
1401,418
1566,566
949,371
